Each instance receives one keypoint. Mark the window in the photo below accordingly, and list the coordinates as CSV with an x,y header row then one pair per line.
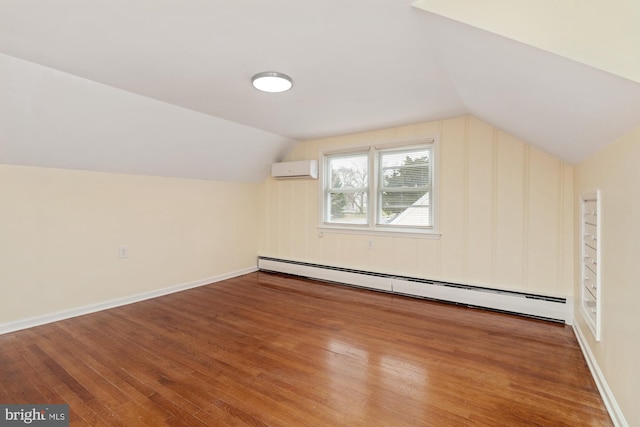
x,y
380,188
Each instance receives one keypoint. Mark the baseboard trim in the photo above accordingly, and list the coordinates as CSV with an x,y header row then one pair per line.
x,y
92,308
607,395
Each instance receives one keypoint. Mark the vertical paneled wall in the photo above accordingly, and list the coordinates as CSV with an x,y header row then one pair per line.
x,y
505,213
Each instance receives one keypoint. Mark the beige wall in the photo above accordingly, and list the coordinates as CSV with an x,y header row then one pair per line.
x,y
505,214
616,172
60,231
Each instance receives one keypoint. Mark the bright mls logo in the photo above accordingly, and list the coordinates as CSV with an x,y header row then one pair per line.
x,y
36,415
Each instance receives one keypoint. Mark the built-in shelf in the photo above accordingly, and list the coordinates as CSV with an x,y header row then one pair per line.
x,y
591,284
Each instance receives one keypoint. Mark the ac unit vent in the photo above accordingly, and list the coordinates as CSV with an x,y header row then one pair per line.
x,y
292,170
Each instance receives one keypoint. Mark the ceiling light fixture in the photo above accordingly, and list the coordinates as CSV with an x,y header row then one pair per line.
x,y
272,81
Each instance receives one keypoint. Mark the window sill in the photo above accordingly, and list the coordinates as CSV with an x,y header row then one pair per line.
x,y
412,233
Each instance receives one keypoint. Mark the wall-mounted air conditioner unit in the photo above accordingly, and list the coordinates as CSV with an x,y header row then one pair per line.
x,y
291,170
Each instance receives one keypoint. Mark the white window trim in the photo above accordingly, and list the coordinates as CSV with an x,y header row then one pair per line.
x,y
371,229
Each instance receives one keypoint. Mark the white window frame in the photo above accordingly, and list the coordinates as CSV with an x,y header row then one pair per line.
x,y
371,227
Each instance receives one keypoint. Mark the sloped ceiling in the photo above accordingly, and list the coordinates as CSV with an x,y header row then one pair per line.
x,y
603,34
163,87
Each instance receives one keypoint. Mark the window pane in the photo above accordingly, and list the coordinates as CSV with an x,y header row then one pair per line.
x,y
405,168
408,208
348,172
348,207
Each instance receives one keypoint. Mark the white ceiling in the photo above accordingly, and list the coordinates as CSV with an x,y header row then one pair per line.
x,y
162,87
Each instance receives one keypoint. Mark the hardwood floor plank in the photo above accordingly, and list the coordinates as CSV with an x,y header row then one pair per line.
x,y
272,350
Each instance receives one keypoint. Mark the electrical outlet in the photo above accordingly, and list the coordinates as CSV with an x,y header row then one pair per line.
x,y
123,251
370,244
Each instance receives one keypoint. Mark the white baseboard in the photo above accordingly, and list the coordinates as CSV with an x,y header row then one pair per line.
x,y
607,395
17,325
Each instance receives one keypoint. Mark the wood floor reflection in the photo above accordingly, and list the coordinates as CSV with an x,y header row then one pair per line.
x,y
266,349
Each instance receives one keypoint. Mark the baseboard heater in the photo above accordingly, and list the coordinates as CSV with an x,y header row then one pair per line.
x,y
550,308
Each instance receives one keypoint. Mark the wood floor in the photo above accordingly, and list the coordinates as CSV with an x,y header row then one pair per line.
x,y
265,349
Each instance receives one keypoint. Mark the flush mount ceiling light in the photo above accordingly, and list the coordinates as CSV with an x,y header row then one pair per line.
x,y
272,81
